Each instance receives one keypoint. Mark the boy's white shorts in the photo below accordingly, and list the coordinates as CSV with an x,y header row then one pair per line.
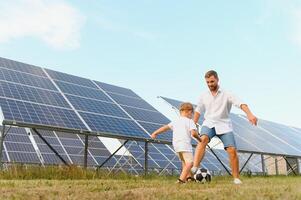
x,y
186,157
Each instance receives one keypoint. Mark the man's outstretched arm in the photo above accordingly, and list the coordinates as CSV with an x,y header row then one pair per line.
x,y
253,120
196,117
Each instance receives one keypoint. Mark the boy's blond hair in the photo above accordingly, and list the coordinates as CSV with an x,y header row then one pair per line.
x,y
186,107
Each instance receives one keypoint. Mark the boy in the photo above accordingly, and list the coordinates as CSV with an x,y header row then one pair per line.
x,y
182,128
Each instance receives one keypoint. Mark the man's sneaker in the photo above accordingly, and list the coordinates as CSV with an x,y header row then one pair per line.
x,y
194,170
237,181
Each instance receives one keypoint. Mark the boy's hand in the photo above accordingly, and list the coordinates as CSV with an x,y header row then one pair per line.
x,y
153,136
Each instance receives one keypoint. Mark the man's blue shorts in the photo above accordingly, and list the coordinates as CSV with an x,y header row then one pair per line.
x,y
227,138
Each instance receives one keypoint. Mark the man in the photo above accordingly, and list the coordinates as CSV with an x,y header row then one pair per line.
x,y
216,105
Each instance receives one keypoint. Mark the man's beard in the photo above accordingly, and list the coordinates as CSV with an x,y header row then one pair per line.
x,y
213,88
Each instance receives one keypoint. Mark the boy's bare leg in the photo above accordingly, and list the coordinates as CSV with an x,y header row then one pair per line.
x,y
200,152
185,171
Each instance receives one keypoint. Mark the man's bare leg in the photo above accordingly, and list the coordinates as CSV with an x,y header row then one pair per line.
x,y
233,158
200,152
234,163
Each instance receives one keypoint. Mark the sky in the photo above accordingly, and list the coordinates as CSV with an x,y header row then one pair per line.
x,y
164,48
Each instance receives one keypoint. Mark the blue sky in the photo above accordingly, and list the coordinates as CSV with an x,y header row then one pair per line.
x,y
164,47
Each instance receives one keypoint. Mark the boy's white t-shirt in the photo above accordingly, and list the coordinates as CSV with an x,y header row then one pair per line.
x,y
182,128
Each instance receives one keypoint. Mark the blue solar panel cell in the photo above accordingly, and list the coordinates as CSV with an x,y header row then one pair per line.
x,y
175,103
40,114
150,128
71,78
146,116
79,160
17,138
116,89
99,107
24,157
26,79
71,142
259,137
22,67
52,159
19,147
115,126
282,132
77,90
133,102
25,93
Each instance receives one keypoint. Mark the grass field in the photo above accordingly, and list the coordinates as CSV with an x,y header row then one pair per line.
x,y
75,183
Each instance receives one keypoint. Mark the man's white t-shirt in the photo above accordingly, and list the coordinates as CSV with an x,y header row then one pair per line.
x,y
217,110
182,128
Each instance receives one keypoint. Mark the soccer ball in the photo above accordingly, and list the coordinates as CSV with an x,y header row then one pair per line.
x,y
202,176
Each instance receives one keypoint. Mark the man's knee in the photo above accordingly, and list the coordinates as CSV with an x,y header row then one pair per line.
x,y
232,151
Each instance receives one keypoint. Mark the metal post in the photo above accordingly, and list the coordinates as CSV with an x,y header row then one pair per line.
x,y
52,149
246,163
86,151
263,165
146,158
276,166
290,166
100,166
2,135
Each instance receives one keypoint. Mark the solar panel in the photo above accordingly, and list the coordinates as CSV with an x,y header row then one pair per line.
x,y
77,90
96,107
262,139
116,89
26,79
19,147
30,94
22,67
70,78
21,111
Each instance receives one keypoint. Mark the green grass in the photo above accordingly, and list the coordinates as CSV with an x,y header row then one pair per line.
x,y
76,183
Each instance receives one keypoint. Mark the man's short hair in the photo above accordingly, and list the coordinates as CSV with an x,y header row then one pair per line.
x,y
211,73
186,106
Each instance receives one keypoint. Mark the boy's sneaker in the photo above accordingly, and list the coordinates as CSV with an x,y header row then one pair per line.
x,y
190,179
179,181
237,181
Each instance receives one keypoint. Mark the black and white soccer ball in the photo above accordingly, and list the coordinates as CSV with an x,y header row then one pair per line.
x,y
202,176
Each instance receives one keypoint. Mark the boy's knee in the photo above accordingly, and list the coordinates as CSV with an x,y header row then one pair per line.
x,y
205,139
189,164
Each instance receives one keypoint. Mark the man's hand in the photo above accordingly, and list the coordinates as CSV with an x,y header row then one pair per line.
x,y
153,136
253,120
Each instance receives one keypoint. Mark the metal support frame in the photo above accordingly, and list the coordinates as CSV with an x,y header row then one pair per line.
x,y
3,133
86,151
219,160
146,158
246,163
290,166
112,155
49,145
128,160
276,166
263,164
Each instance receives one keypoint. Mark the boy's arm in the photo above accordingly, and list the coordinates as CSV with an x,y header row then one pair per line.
x,y
249,114
159,131
196,135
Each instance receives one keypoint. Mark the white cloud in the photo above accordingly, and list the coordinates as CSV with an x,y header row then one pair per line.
x,y
52,21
